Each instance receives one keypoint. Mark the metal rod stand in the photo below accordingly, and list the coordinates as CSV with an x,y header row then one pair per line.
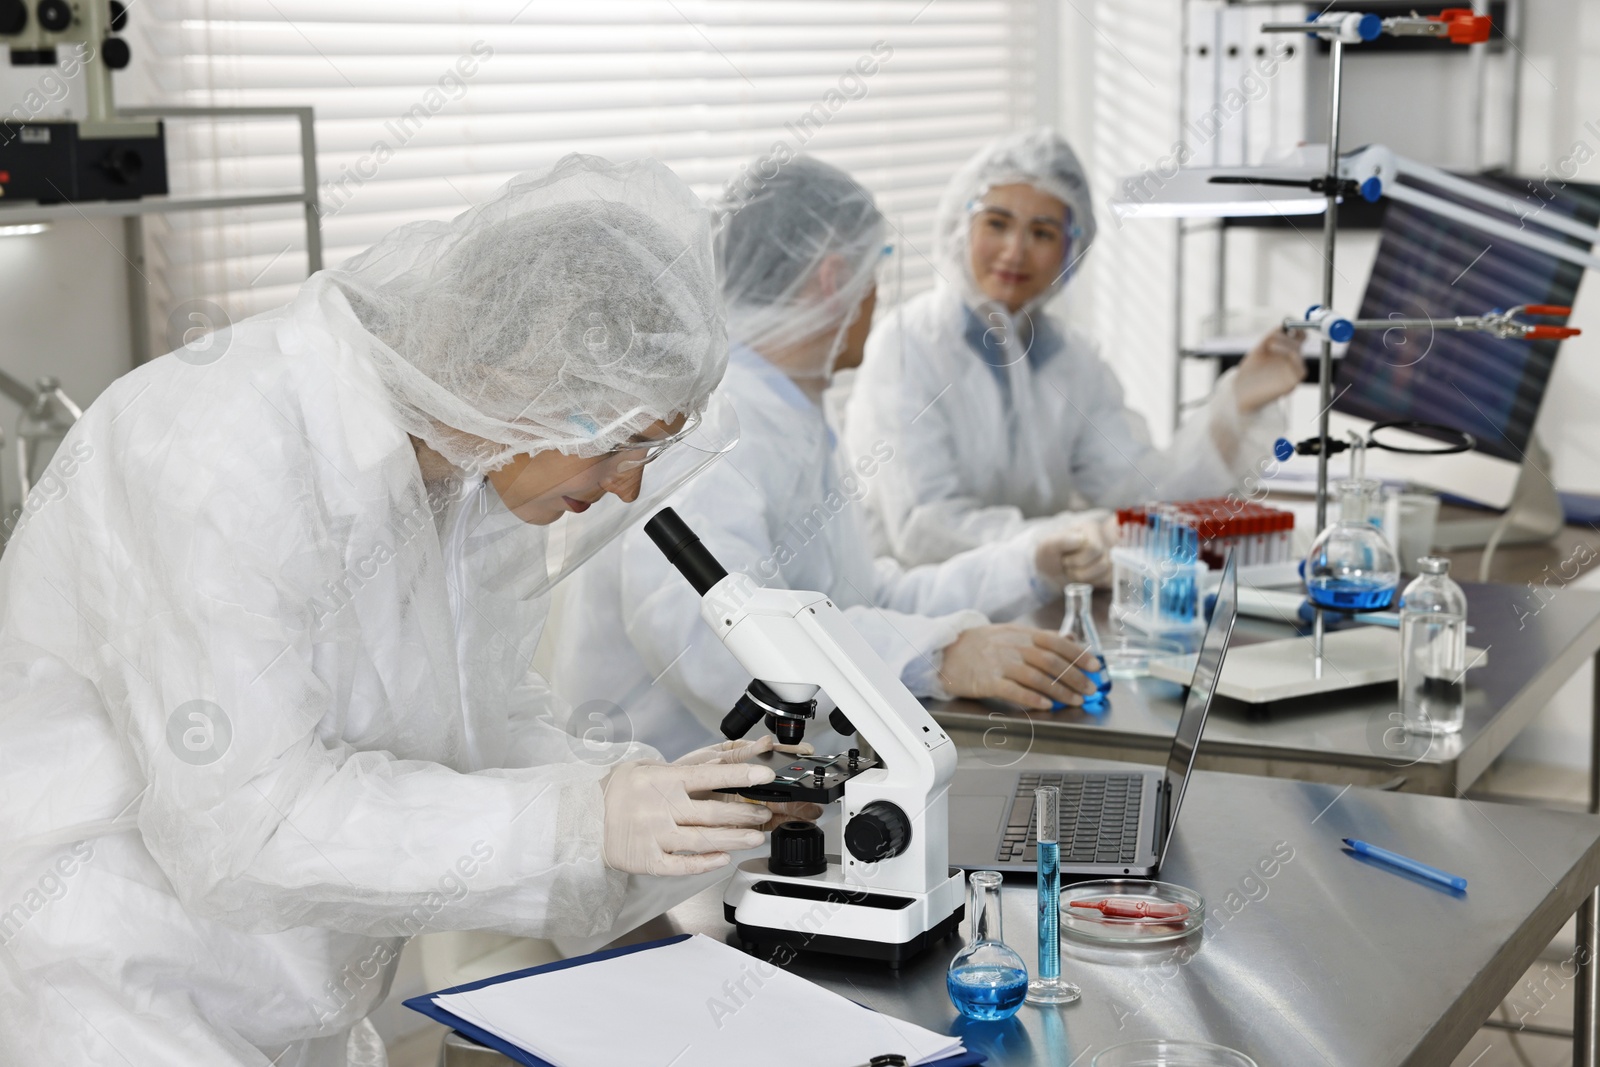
x,y
1330,224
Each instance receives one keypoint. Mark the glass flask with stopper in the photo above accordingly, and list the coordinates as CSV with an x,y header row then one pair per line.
x,y
987,980
1433,651
1351,566
1077,623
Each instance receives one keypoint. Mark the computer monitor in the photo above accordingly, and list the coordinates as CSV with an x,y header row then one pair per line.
x,y
1430,266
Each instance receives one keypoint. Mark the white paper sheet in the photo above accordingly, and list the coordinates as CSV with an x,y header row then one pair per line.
x,y
696,1002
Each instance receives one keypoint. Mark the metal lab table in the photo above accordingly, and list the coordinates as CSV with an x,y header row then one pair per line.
x,y
1344,737
1332,960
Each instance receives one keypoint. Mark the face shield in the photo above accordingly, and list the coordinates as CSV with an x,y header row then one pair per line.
x,y
501,554
1039,158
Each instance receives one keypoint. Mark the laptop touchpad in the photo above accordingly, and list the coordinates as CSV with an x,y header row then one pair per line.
x,y
978,817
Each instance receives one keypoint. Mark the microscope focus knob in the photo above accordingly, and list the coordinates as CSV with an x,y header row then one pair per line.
x,y
880,831
797,849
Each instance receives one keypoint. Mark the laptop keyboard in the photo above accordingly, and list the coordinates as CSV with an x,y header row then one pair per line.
x,y
1099,818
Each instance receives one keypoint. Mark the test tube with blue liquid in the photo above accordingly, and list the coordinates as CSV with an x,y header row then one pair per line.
x,y
1077,623
1048,987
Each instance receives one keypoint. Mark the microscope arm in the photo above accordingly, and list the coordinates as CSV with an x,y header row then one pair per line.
x,y
796,642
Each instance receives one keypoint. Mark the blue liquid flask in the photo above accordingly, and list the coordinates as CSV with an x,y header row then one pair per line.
x,y
1049,987
987,980
1351,567
1077,623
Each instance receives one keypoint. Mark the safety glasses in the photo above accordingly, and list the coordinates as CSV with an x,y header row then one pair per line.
x,y
978,211
637,454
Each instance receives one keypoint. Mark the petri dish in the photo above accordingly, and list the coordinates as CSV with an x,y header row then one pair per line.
x,y
1161,898
1159,1052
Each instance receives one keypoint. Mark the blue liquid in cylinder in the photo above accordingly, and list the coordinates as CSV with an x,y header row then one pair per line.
x,y
1343,594
986,992
1049,853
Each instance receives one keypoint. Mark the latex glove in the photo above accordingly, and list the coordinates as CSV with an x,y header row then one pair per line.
x,y
739,752
651,814
1271,369
1027,666
1080,553
778,811
726,752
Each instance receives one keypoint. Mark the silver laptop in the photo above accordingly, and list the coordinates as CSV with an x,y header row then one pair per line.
x,y
1116,822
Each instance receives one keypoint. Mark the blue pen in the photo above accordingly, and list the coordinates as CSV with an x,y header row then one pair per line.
x,y
1405,863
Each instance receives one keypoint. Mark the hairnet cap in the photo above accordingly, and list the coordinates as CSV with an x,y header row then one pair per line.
x,y
1039,157
569,311
775,251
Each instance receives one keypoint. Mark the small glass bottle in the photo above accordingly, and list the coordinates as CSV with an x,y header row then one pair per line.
x,y
986,980
1433,651
1049,987
1077,623
1351,566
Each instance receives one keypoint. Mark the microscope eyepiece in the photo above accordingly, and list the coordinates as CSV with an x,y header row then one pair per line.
x,y
684,551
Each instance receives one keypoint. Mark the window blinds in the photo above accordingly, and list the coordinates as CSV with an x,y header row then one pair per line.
x,y
1130,273
424,108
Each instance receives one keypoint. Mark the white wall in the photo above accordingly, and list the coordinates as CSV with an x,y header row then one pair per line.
x,y
63,303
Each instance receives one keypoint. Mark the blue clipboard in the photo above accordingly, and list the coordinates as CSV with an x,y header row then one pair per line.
x,y
426,1006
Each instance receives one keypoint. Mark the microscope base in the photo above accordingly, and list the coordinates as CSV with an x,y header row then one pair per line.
x,y
821,913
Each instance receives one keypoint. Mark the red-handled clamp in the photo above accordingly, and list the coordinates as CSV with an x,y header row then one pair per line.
x,y
1458,25
1506,324
1463,26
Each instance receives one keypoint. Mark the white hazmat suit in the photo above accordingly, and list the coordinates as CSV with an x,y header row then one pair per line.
x,y
1003,421
785,506
265,694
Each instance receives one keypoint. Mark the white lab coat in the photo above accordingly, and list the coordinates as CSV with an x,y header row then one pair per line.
x,y
254,533
784,507
1002,424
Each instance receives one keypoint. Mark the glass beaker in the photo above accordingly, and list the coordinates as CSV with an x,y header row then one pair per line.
x,y
1433,651
986,980
1049,987
1077,623
1351,566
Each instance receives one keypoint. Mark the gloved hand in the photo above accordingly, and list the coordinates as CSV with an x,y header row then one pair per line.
x,y
1079,553
727,752
740,751
1272,369
1027,666
652,812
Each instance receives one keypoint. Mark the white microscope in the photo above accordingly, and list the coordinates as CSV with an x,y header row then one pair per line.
x,y
893,893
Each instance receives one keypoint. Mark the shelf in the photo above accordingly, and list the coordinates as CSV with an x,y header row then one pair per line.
x,y
26,211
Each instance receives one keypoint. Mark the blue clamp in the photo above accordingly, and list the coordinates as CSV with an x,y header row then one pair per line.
x,y
1341,330
1372,189
1369,27
1283,448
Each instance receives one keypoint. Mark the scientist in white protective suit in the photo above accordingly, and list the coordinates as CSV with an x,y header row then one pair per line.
x,y
264,665
799,260
1002,418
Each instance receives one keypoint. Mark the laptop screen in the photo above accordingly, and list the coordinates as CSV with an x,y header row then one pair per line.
x,y
1208,664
